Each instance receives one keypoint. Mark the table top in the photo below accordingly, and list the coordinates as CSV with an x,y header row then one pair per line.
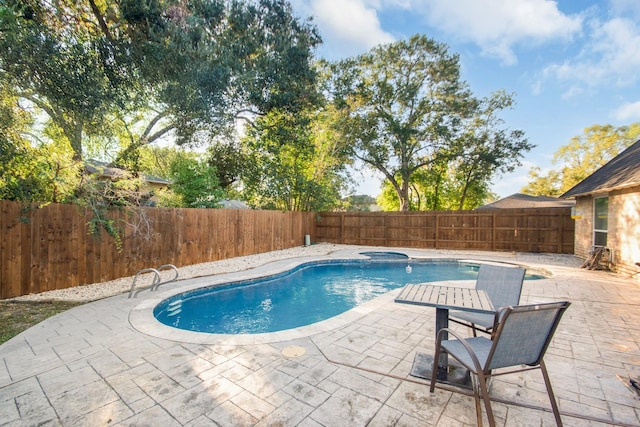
x,y
446,297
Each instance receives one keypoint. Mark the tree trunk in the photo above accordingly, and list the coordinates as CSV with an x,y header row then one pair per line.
x,y
404,196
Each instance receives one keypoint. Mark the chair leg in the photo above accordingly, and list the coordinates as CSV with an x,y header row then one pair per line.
x,y
487,402
552,397
476,396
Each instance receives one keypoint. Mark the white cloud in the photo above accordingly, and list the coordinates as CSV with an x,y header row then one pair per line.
x,y
629,111
610,57
626,8
498,25
347,27
573,91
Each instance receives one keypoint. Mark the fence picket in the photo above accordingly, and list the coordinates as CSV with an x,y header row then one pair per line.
x,y
523,230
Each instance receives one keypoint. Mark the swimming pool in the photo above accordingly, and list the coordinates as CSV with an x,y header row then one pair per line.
x,y
307,294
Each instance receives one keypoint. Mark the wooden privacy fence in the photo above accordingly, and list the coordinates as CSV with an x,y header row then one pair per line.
x,y
523,230
51,248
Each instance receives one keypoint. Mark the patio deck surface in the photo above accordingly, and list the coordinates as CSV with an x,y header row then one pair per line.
x,y
108,363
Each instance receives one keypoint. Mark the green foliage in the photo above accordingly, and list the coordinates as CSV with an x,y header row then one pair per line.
x,y
57,64
433,190
485,149
18,173
582,156
42,174
541,184
210,61
196,183
293,164
405,112
191,66
228,160
157,161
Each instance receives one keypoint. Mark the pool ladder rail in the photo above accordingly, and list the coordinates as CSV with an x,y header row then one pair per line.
x,y
157,280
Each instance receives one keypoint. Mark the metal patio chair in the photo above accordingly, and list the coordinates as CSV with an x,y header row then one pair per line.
x,y
503,285
522,336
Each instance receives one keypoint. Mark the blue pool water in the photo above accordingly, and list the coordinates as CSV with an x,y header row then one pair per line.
x,y
307,294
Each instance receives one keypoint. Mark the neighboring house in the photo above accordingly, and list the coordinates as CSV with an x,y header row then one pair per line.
x,y
233,204
607,211
362,203
106,171
525,201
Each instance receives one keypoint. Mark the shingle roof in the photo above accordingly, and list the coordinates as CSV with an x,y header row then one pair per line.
x,y
520,201
106,170
620,172
233,204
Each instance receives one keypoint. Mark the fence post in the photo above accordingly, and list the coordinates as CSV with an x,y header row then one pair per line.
x,y
561,231
493,231
385,231
437,231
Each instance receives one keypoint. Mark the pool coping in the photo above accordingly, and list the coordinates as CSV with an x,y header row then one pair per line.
x,y
142,319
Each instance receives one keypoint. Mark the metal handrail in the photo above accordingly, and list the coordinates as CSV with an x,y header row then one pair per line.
x,y
156,279
165,267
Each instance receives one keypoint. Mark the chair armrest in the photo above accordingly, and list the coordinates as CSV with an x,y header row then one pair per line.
x,y
464,343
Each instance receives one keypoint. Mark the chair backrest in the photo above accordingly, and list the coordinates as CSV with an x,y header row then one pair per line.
x,y
502,284
524,333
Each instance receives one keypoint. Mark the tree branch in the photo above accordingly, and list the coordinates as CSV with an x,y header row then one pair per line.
x,y
101,22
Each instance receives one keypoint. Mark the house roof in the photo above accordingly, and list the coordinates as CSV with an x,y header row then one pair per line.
x,y
106,170
521,201
233,204
620,172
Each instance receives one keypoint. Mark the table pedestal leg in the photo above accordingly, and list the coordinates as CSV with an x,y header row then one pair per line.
x,y
442,321
448,373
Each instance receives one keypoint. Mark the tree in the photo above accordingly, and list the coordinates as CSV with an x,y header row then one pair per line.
x,y
194,66
437,188
582,156
229,53
41,173
56,61
404,108
228,159
18,165
196,183
484,149
294,163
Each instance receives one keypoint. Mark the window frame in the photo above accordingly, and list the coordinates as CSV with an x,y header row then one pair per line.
x,y
598,233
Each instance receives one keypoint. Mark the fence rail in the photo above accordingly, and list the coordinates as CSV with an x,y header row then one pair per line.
x,y
522,230
51,248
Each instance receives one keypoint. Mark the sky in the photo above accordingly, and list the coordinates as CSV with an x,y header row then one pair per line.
x,y
570,64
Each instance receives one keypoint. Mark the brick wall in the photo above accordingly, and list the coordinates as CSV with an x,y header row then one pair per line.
x,y
624,228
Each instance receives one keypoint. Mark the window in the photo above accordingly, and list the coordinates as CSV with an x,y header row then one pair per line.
x,y
600,221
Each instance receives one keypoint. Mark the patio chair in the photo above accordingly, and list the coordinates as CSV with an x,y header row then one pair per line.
x,y
522,336
503,286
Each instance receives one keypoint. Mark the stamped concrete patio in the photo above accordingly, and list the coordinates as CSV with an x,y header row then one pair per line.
x,y
109,363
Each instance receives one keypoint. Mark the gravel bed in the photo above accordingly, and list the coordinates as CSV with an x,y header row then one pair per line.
x,y
101,290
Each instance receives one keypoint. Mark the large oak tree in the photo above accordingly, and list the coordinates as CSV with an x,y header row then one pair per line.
x,y
193,67
404,108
